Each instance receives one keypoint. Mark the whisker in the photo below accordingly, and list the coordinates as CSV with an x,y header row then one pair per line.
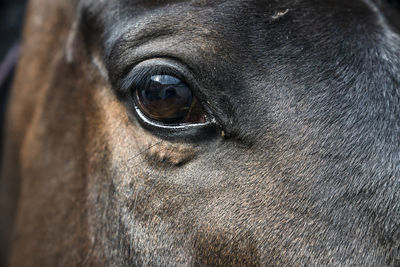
x,y
144,150
140,162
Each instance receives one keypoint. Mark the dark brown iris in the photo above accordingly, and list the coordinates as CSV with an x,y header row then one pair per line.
x,y
164,98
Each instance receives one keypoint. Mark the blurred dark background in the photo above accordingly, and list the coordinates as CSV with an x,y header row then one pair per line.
x,y
395,3
11,20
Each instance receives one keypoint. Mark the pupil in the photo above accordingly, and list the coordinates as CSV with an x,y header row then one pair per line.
x,y
164,98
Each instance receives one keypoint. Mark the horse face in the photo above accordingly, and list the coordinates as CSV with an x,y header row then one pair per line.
x,y
290,158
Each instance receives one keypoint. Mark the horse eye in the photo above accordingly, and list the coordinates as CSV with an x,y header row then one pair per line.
x,y
167,99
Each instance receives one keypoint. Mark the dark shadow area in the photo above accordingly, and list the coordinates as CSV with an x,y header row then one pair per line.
x,y
394,3
11,20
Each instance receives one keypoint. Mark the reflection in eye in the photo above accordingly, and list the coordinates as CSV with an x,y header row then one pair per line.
x,y
164,98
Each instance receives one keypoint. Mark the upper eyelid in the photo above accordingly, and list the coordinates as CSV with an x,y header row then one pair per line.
x,y
120,49
167,66
136,35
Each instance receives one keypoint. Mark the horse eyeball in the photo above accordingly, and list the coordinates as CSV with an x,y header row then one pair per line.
x,y
164,98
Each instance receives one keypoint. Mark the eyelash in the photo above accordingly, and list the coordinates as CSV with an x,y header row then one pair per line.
x,y
137,77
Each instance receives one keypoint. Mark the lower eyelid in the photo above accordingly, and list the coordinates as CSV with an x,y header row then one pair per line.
x,y
184,132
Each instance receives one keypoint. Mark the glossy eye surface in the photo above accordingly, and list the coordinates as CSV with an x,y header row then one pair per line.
x,y
164,98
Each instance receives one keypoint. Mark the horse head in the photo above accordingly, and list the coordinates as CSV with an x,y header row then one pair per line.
x,y
200,132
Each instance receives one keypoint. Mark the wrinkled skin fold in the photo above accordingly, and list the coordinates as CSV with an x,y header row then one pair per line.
x,y
302,169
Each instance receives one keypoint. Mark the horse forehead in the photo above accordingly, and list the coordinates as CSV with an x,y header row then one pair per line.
x,y
236,19
221,8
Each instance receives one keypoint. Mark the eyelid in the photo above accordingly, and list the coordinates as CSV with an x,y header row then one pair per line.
x,y
178,132
140,72
160,125
160,66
